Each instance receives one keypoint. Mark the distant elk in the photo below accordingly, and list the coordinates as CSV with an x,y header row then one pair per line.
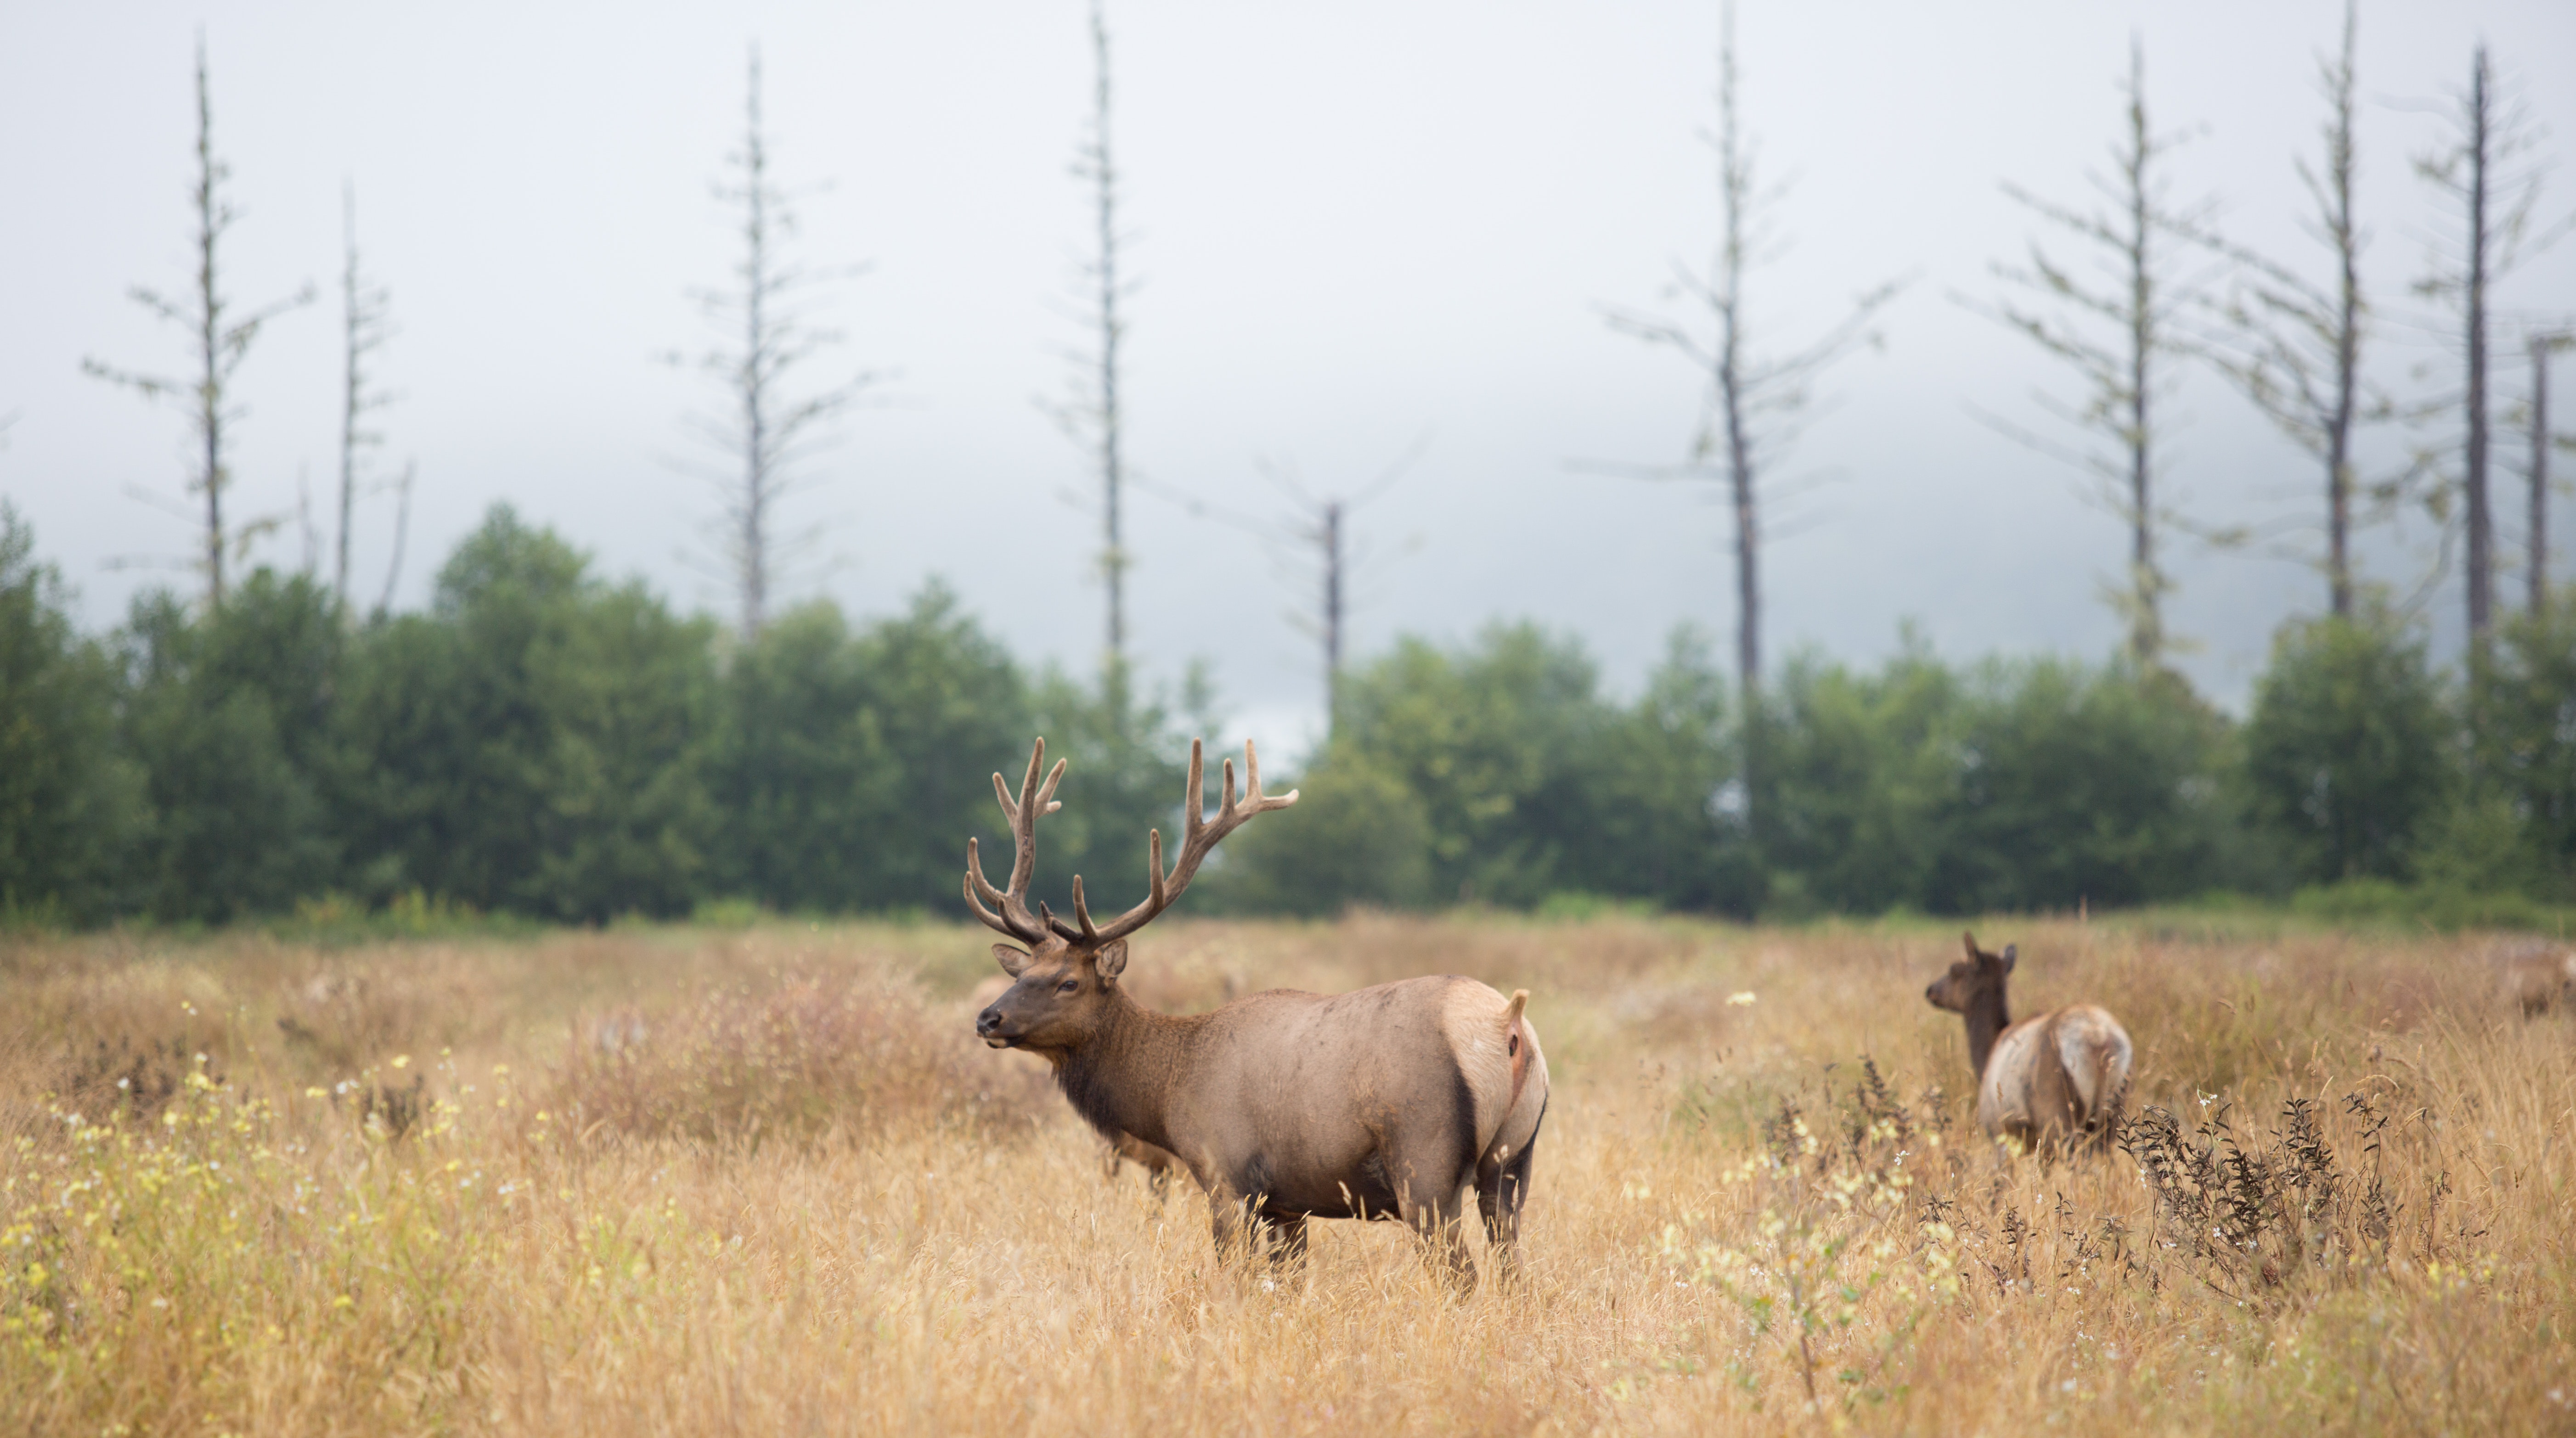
x,y
1115,1149
2536,976
1386,1103
2055,1081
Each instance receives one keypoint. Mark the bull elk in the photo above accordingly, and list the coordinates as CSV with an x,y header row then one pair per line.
x,y
1385,1103
2057,1080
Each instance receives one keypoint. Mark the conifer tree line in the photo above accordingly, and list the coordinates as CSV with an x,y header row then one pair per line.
x,y
543,740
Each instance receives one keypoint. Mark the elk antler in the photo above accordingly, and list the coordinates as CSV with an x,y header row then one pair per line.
x,y
1198,837
1015,918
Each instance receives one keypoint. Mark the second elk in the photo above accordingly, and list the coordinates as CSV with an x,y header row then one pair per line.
x,y
2057,1080
1387,1103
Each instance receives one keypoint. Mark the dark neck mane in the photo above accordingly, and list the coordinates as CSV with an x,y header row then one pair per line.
x,y
1986,1021
1119,1078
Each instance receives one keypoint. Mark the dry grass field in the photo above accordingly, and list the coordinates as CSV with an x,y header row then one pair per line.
x,y
698,1181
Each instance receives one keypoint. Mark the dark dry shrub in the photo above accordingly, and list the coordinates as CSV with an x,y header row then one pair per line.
x,y
2250,1212
794,1061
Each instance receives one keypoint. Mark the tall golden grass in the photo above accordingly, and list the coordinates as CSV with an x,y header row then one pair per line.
x,y
681,1181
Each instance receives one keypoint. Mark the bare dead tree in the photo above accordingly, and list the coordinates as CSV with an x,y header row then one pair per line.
x,y
2543,439
1333,556
2294,346
1755,403
1093,416
2121,335
2490,172
219,340
770,426
365,324
1316,544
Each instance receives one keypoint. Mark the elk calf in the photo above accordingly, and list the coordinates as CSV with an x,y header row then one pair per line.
x,y
1387,1103
2057,1080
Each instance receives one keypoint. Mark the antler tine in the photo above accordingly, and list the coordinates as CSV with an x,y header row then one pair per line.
x,y
1252,778
1082,911
1194,802
1022,812
1201,835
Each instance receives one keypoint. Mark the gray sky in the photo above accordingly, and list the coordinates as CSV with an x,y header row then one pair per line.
x,y
1357,224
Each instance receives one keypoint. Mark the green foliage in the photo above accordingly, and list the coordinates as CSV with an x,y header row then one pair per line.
x,y
537,741
1490,742
2525,700
2076,783
70,801
227,715
1354,836
542,745
2349,751
2014,785
1860,781
850,768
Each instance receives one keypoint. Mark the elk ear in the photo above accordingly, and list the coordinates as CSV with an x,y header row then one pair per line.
x,y
1970,939
2011,952
1011,959
1112,959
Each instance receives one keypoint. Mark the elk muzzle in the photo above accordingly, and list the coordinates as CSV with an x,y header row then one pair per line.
x,y
988,1027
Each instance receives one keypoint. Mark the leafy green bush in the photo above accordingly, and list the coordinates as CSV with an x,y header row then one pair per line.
x,y
2350,750
70,800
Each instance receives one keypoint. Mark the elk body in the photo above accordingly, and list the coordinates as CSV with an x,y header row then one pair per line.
x,y
1386,1103
2057,1080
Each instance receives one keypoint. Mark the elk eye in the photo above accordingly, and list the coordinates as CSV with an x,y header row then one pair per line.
x,y
1068,986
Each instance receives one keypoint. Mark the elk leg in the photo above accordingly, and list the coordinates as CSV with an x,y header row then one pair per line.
x,y
1231,1221
1501,1189
1287,1235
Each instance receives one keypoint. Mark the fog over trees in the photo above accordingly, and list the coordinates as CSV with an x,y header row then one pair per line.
x,y
1951,685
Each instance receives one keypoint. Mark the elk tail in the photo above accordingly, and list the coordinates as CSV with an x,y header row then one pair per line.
x,y
1516,1046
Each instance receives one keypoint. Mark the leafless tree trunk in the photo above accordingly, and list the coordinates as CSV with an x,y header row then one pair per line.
x,y
218,343
2473,476
2486,174
2124,377
363,328
1754,403
2300,355
1330,542
1093,417
2541,440
402,532
771,426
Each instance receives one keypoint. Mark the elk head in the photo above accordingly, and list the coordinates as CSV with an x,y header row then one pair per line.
x,y
1066,972
1975,982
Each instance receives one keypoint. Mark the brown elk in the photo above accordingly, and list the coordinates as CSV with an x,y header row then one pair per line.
x,y
2536,976
2057,1080
1385,1103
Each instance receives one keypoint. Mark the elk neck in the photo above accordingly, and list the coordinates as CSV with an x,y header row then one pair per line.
x,y
1120,1079
1986,1022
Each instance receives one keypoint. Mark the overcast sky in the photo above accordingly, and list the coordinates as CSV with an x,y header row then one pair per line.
x,y
1358,226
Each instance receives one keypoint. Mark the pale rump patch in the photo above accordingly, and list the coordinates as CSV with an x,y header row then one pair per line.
x,y
2095,1050
1498,1056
